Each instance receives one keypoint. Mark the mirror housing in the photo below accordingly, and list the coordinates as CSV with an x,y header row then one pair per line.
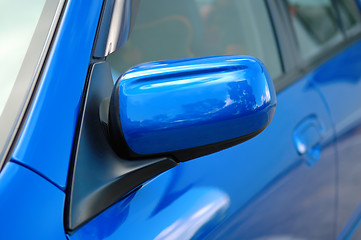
x,y
190,107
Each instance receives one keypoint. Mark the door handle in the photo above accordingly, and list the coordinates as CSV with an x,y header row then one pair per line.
x,y
307,137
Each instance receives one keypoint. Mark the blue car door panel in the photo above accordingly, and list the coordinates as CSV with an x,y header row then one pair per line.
x,y
340,81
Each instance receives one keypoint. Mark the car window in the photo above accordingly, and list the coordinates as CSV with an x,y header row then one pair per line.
x,y
26,31
173,29
17,26
315,25
350,16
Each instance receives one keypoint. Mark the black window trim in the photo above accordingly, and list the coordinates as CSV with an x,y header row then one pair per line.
x,y
294,72
286,42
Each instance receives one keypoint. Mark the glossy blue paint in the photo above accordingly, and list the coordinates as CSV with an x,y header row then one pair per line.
x,y
270,191
45,143
340,82
31,207
261,189
187,103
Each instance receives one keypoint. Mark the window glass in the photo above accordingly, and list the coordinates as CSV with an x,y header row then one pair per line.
x,y
350,15
174,29
17,26
315,24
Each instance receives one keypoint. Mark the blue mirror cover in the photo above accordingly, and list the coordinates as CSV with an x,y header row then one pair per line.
x,y
190,107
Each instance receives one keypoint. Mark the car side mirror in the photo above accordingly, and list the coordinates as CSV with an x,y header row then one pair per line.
x,y
190,107
160,114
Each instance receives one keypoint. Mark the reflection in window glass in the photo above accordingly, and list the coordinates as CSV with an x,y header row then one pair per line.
x,y
350,15
174,29
315,24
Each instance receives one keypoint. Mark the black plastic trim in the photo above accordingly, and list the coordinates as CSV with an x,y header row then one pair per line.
x,y
284,33
98,177
115,127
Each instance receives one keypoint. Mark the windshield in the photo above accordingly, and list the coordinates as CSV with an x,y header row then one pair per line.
x,y
26,32
18,20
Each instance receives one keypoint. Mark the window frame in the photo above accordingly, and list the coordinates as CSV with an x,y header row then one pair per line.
x,y
349,33
298,67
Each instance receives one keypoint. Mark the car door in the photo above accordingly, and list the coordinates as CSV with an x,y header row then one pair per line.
x,y
339,79
280,184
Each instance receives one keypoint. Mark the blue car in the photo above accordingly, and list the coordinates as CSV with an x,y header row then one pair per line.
x,y
192,119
